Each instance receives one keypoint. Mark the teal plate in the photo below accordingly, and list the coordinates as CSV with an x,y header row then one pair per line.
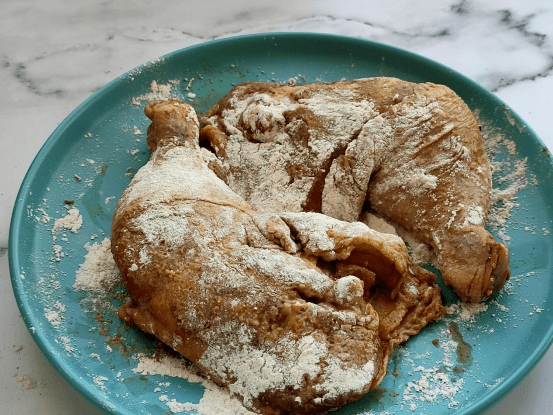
x,y
465,363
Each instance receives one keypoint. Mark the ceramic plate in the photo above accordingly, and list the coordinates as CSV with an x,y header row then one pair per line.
x,y
464,364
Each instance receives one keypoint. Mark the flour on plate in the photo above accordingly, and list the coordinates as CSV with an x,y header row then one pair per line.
x,y
72,221
98,272
215,400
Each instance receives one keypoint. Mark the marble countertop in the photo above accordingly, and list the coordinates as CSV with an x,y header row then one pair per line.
x,y
55,54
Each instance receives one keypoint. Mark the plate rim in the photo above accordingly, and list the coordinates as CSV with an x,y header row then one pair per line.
x,y
483,404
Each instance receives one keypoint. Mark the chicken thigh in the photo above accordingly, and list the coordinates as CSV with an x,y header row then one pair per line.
x,y
411,152
293,312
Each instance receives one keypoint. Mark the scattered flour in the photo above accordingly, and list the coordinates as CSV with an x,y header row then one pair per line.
x,y
26,382
72,221
66,342
53,317
509,177
99,271
215,400
432,385
58,252
466,311
45,217
157,92
100,381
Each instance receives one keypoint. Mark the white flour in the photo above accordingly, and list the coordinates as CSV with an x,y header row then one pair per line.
x,y
72,221
509,178
215,400
466,311
53,317
157,92
431,386
98,272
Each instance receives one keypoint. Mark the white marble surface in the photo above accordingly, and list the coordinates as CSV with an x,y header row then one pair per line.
x,y
55,53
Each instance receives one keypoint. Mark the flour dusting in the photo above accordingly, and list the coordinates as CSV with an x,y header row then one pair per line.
x,y
509,178
98,273
216,400
156,92
466,311
72,221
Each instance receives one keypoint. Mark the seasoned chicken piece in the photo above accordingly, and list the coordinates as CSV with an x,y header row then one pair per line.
x,y
281,308
411,152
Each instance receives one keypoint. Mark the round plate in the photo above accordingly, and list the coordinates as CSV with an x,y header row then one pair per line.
x,y
466,362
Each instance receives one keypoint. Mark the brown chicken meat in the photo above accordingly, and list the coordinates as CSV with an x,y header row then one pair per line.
x,y
293,312
410,152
